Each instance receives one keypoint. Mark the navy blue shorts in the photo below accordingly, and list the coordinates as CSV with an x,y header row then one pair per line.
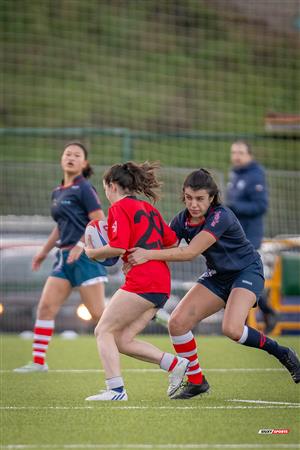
x,y
82,272
157,298
251,278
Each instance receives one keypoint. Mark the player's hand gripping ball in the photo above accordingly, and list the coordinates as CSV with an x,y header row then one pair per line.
x,y
96,237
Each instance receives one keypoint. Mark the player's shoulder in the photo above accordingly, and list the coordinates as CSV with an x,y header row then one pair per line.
x,y
86,188
127,205
56,189
218,208
83,183
221,212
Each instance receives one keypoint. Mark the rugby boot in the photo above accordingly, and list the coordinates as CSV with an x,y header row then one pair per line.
x,y
32,367
109,395
177,375
291,361
189,390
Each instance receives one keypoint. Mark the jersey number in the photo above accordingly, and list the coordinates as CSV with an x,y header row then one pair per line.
x,y
143,241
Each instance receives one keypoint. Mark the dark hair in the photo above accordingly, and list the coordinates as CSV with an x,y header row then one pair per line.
x,y
202,179
88,170
245,144
135,178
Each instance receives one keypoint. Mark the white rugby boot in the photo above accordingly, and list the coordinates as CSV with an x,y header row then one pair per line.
x,y
32,367
109,395
177,375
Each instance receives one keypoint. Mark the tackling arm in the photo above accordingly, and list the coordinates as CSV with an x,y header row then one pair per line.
x,y
197,246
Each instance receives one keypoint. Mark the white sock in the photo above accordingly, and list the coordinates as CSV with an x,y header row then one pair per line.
x,y
114,383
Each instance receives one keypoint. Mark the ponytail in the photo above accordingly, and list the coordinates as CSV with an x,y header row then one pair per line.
x,y
135,178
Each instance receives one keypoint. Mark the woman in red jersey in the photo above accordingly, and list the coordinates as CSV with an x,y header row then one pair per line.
x,y
134,223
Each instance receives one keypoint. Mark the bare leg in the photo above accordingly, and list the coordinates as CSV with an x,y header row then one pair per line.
x,y
138,349
195,306
237,309
123,309
55,293
93,297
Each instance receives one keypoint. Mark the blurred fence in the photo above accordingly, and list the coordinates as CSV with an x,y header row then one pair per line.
x,y
30,166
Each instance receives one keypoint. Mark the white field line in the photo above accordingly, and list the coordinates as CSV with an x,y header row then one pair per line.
x,y
146,446
270,369
126,408
263,402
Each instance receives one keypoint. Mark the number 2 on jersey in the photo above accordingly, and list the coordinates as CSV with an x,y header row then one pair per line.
x,y
152,225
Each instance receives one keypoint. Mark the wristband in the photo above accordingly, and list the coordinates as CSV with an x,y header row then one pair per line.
x,y
80,244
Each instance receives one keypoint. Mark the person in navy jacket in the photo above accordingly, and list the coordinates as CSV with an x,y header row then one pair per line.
x,y
247,194
247,197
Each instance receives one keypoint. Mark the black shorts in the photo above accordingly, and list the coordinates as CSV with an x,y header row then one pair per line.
x,y
157,298
251,278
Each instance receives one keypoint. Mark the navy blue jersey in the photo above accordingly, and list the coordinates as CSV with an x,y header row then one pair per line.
x,y
231,252
70,209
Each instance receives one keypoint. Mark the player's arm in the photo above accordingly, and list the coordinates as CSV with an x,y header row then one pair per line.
x,y
97,215
104,252
47,247
197,246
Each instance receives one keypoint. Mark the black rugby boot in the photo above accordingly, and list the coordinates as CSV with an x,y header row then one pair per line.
x,y
291,361
190,390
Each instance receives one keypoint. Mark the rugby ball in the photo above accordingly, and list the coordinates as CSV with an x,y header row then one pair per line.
x,y
96,237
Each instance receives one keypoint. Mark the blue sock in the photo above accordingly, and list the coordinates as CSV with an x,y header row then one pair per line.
x,y
253,338
115,384
118,389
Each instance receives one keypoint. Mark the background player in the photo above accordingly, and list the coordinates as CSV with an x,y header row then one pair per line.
x,y
234,279
74,204
133,222
247,197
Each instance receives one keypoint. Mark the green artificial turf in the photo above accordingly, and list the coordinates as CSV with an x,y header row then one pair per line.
x,y
48,410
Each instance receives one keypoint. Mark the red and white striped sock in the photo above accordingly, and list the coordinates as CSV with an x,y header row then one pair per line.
x,y
186,347
43,330
168,362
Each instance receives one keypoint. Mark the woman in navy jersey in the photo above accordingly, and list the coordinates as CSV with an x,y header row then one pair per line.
x,y
74,204
133,222
234,279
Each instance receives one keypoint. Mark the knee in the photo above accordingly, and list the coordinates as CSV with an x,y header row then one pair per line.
x,y
232,330
175,325
99,330
46,311
105,328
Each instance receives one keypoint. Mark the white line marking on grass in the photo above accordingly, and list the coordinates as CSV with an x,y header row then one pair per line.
x,y
263,402
68,371
146,446
125,408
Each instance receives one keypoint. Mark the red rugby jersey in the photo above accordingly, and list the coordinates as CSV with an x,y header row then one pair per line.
x,y
136,223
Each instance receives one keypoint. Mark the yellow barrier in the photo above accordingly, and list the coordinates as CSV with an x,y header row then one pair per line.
x,y
274,286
